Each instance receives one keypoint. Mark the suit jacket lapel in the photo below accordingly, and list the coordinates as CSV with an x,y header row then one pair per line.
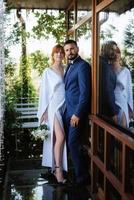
x,y
70,70
67,70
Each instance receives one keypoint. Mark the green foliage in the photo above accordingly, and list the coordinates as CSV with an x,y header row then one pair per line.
x,y
129,43
128,52
53,24
108,33
84,30
18,83
50,24
17,86
12,124
16,34
25,86
9,70
38,61
129,35
10,81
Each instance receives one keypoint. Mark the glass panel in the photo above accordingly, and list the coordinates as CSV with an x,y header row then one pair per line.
x,y
98,182
100,179
84,41
112,193
71,17
116,66
84,8
100,143
115,157
129,171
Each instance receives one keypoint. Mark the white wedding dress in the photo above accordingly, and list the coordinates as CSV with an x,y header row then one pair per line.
x,y
52,99
123,92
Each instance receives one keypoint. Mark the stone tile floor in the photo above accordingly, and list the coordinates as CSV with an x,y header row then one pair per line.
x,y
24,182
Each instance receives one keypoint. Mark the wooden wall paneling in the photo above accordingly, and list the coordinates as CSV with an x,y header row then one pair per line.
x,y
123,167
109,177
103,4
75,18
94,55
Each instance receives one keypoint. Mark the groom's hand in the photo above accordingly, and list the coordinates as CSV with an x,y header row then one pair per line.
x,y
74,120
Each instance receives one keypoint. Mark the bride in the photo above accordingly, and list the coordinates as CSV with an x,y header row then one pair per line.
x,y
50,110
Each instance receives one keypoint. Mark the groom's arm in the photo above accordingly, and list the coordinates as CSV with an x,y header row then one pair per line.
x,y
84,81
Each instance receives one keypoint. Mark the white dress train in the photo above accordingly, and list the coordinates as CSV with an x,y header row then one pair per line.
x,y
52,99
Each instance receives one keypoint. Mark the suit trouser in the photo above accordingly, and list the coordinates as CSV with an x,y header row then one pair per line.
x,y
74,142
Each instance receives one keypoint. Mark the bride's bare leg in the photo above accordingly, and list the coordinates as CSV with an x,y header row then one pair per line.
x,y
58,150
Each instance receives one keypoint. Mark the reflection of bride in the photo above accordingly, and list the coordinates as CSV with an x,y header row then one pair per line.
x,y
123,91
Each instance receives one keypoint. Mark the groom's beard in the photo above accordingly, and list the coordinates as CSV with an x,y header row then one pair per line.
x,y
72,56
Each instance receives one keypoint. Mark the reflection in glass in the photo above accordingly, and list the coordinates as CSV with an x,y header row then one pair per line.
x,y
71,18
115,157
130,171
116,24
84,8
100,143
84,41
53,193
43,191
100,179
112,193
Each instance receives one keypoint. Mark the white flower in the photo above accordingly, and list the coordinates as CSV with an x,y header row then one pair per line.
x,y
42,132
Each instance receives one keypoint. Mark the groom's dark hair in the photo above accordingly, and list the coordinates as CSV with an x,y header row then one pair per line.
x,y
70,42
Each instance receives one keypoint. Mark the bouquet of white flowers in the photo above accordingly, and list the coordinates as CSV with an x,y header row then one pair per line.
x,y
42,132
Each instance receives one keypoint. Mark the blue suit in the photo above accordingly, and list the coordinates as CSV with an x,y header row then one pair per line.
x,y
78,99
107,83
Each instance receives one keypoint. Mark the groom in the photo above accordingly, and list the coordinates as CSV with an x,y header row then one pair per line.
x,y
78,99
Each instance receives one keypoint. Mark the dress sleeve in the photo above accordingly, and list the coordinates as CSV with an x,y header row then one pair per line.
x,y
44,95
47,88
129,90
84,81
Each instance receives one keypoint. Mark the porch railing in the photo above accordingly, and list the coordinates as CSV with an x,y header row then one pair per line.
x,y
112,162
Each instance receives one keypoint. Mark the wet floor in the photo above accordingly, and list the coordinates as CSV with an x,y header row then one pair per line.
x,y
24,182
